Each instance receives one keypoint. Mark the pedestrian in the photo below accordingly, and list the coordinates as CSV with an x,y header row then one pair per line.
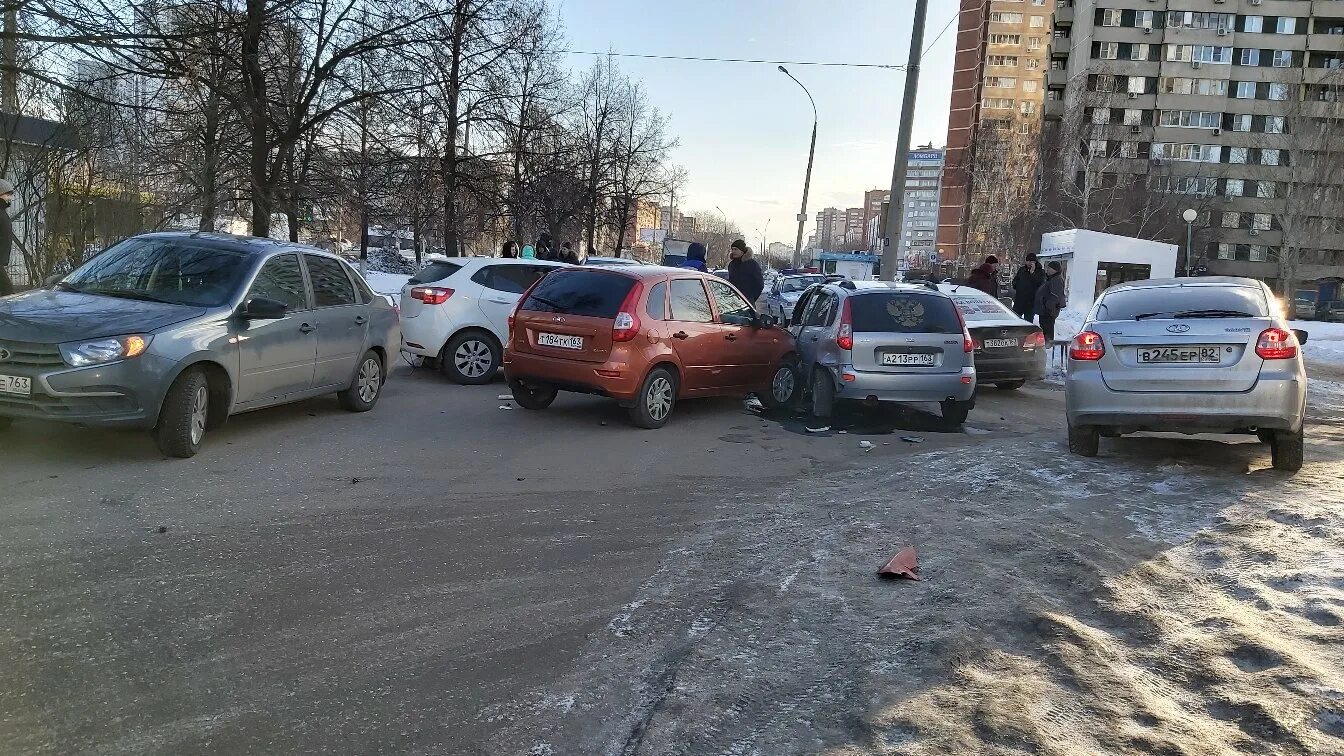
x,y
1028,279
567,254
986,277
6,237
744,272
1050,299
695,257
529,252
545,247
510,249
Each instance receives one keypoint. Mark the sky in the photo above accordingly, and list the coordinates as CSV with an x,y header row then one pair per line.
x,y
744,128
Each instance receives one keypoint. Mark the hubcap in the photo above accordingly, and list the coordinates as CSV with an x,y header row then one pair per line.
x,y
200,406
473,358
368,380
783,384
660,398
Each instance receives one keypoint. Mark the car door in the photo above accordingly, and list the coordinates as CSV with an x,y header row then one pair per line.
x,y
752,348
814,316
697,339
277,357
502,284
342,322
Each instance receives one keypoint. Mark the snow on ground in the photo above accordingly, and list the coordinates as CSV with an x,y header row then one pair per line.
x,y
387,283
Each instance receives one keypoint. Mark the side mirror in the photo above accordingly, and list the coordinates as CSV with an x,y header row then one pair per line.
x,y
742,320
261,308
766,321
1301,335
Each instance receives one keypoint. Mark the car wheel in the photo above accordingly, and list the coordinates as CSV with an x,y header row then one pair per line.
x,y
1286,451
1265,436
823,392
1010,385
532,397
653,405
366,387
955,412
784,386
184,415
1084,441
470,358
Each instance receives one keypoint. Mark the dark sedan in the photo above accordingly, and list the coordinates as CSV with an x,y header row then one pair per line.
x,y
1009,351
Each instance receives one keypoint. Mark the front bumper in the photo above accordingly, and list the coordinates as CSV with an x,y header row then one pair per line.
x,y
905,387
120,394
1274,403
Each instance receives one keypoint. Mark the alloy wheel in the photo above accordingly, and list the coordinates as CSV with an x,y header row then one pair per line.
x,y
369,379
660,399
783,384
200,410
473,358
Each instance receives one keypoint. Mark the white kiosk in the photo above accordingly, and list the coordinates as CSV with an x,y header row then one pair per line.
x,y
1093,261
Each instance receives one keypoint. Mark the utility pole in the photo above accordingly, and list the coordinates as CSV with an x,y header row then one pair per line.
x,y
896,209
10,97
807,180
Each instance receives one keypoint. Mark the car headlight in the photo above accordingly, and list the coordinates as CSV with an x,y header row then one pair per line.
x,y
99,351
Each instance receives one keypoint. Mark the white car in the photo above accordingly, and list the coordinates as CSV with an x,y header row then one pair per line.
x,y
456,311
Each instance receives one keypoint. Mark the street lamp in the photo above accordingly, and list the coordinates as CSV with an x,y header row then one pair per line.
x,y
1189,215
763,233
807,180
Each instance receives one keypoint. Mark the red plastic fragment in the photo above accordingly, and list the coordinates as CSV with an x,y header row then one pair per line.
x,y
904,565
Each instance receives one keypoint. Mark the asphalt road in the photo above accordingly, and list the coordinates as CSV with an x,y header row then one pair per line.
x,y
411,580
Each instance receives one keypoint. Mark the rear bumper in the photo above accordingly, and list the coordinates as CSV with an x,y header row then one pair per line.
x,y
423,334
905,387
621,381
1023,367
1274,403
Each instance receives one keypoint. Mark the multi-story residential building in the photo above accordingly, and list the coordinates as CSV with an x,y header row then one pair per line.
x,y
874,203
1233,108
854,228
995,114
919,225
830,231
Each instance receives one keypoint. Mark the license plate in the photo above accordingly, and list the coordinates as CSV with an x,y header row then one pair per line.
x,y
1182,355
1000,343
907,358
16,384
558,340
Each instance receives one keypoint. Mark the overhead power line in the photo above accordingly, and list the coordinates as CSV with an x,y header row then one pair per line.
x,y
651,56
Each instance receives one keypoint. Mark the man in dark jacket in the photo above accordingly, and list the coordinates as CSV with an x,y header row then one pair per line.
x,y
744,272
695,257
1028,279
1050,299
6,237
986,277
546,248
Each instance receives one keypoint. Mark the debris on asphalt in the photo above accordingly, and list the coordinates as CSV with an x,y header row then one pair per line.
x,y
163,528
506,397
752,404
506,406
904,565
822,429
913,439
356,480
522,479
866,445
970,431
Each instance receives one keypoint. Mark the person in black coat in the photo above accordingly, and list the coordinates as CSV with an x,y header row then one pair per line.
x,y
986,277
1050,299
6,237
1026,282
744,272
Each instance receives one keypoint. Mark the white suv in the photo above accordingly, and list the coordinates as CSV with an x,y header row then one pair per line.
x,y
456,311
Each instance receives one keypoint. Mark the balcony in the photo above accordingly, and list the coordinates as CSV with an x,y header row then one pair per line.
x,y
1056,78
1054,109
1063,16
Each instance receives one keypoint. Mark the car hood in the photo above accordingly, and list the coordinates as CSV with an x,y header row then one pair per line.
x,y
57,316
791,296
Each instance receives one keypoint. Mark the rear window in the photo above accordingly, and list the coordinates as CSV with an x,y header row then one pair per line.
x,y
435,271
981,307
580,292
902,312
1166,302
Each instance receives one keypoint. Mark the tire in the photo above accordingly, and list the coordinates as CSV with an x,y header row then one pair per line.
x,y
655,400
184,415
955,412
823,392
367,385
1265,436
1084,441
470,358
1010,385
1286,451
784,387
532,397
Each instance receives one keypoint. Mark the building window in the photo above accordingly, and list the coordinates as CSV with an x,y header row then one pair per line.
x,y
1109,51
1224,251
1143,19
1001,60
1231,220
1283,58
1129,149
1285,25
1138,51
1249,56
1138,84
1103,83
1034,43
1237,155
1234,188
1278,91
1259,253
1038,3
1273,124
1267,189
1004,17
1133,117
1252,23
1241,122
998,103
1109,17
1001,82
1038,22
1024,128
1096,148
1245,89
1269,157
1260,221
1030,86
1005,39
1101,115
1195,119
1033,64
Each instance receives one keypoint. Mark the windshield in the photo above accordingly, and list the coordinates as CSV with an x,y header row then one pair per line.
x,y
799,283
1174,302
176,271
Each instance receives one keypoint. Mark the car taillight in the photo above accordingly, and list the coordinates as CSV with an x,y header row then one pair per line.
x,y
977,343
1087,346
626,325
845,339
1033,340
431,295
968,344
1276,344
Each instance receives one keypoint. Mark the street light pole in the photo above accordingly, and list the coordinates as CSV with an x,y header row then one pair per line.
x,y
807,180
1190,215
896,207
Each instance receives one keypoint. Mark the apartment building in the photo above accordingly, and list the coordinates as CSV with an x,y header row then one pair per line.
x,y
855,230
995,115
1233,108
830,231
919,224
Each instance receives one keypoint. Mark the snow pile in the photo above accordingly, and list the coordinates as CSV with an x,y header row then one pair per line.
x,y
390,261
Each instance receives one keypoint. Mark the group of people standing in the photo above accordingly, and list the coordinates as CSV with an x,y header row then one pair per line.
x,y
743,270
1037,292
544,249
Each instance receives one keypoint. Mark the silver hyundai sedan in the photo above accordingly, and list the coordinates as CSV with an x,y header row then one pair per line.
x,y
1188,355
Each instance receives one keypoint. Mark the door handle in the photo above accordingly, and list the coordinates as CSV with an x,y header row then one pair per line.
x,y
730,336
501,301
814,338
361,320
305,328
681,335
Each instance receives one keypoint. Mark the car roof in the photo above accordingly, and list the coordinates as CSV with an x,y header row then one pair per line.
x,y
858,288
1153,283
251,245
617,260
643,271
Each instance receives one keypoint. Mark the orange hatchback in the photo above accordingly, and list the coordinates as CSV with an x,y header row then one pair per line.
x,y
645,336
